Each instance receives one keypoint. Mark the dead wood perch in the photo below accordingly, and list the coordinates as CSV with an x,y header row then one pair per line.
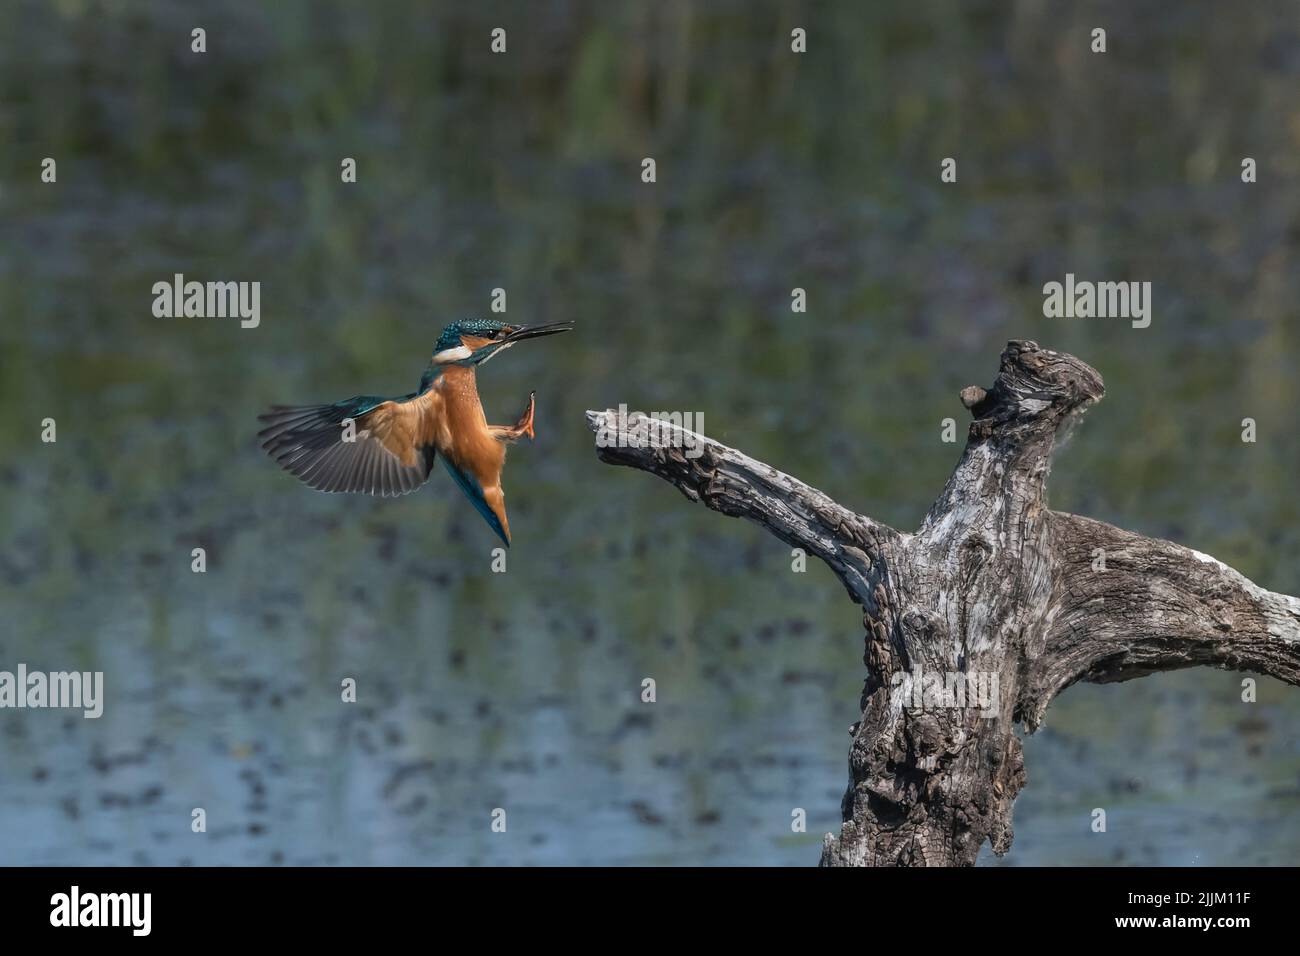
x,y
993,585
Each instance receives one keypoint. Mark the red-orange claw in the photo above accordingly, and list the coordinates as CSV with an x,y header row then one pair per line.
x,y
526,420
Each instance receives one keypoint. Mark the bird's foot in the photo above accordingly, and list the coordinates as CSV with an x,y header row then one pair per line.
x,y
525,424
512,433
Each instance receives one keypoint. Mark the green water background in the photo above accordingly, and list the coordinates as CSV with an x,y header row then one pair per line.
x,y
522,171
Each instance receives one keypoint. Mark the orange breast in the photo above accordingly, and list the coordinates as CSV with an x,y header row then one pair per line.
x,y
464,435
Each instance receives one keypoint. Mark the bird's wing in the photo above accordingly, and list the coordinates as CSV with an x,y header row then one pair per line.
x,y
391,451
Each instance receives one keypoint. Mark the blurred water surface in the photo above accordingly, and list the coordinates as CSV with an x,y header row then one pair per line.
x,y
521,171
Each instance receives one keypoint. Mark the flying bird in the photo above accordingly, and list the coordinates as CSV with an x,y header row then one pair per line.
x,y
387,446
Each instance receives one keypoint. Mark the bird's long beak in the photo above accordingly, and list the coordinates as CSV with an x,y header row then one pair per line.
x,y
536,331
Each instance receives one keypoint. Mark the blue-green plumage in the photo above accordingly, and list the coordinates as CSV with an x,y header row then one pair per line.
x,y
479,328
353,407
428,378
474,492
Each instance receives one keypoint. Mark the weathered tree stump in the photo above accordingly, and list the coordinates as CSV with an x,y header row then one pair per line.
x,y
993,593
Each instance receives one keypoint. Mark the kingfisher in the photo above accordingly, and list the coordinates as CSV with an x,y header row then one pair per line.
x,y
387,446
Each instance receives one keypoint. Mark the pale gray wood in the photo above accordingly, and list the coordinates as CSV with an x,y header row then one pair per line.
x,y
993,587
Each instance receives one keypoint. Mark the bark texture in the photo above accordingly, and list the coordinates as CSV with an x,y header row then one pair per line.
x,y
975,621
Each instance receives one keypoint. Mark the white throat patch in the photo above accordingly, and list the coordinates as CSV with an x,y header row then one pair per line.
x,y
458,354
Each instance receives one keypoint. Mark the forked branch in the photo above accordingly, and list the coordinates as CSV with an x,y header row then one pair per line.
x,y
994,590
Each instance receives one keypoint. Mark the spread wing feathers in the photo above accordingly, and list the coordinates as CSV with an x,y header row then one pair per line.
x,y
391,453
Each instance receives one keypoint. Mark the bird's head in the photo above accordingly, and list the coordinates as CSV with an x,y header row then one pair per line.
x,y
473,341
